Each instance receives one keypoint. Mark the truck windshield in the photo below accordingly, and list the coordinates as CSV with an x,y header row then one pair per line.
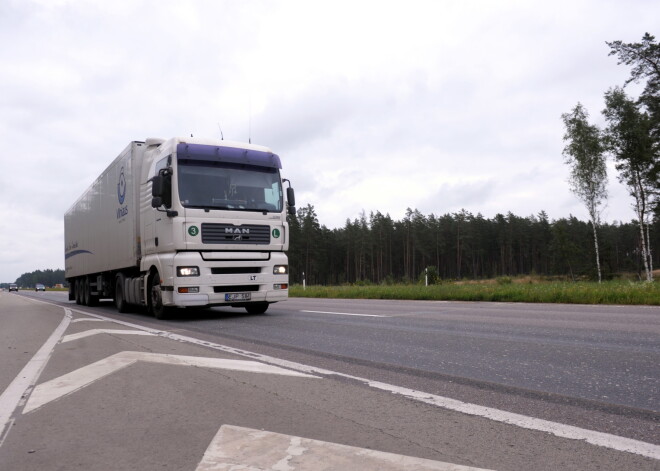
x,y
221,185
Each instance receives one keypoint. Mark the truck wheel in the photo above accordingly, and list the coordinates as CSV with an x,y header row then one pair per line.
x,y
256,308
120,298
156,307
85,291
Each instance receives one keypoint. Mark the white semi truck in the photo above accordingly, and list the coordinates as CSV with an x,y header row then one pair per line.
x,y
182,222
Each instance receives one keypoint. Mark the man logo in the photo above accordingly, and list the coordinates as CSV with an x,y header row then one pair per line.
x,y
229,230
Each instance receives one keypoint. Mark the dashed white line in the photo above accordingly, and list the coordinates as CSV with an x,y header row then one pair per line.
x,y
346,314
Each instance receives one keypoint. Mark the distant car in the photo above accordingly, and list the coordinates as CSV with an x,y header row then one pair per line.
x,y
13,287
39,287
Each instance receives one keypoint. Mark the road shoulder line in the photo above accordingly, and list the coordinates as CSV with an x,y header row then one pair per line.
x,y
27,378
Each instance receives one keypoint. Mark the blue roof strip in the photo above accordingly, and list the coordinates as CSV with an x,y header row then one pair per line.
x,y
228,154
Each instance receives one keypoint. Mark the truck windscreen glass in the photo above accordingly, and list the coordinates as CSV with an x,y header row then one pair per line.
x,y
219,185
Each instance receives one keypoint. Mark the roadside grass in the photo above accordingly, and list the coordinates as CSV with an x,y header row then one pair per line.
x,y
525,290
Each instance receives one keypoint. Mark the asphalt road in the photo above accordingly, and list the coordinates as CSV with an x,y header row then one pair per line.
x,y
592,367
600,353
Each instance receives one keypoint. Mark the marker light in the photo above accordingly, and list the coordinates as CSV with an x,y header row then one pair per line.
x,y
189,289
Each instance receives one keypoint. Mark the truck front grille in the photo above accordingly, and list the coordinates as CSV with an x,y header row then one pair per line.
x,y
229,234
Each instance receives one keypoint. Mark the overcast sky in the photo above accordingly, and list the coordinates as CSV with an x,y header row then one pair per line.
x,y
371,105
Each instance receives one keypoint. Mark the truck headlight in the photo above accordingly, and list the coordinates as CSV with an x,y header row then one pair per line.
x,y
187,271
280,269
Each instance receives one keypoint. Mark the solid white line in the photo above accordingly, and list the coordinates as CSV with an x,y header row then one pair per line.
x,y
345,314
601,439
11,397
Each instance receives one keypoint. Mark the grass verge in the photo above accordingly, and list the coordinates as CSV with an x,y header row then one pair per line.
x,y
609,292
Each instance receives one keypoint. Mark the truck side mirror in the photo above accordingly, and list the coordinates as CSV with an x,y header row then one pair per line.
x,y
157,186
161,189
291,201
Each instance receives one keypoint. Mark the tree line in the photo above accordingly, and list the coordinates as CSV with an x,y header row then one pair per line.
x,y
380,249
46,277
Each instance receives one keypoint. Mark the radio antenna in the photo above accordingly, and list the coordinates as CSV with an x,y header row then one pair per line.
x,y
250,122
222,136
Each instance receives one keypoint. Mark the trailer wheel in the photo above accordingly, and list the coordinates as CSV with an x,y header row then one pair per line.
x,y
85,291
120,298
92,299
156,307
79,298
256,308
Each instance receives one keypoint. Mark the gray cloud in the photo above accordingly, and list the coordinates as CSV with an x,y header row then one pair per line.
x,y
437,106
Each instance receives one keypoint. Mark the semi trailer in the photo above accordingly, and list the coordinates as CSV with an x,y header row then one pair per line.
x,y
179,223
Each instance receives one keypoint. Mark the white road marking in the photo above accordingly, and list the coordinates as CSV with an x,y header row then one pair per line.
x,y
11,397
600,439
78,379
346,314
89,333
235,448
87,319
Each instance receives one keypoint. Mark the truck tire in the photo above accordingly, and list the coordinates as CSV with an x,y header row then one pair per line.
x,y
92,299
120,296
85,291
256,308
79,289
155,301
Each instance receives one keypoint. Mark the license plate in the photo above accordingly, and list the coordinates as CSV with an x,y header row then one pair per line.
x,y
238,296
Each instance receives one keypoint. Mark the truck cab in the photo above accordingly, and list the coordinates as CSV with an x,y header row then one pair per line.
x,y
218,234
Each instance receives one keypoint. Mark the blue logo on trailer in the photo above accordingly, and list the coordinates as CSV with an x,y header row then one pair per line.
x,y
121,195
121,186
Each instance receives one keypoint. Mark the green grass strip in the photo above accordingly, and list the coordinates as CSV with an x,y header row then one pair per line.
x,y
609,292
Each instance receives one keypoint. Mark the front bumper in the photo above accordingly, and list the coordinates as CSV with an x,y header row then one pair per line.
x,y
219,277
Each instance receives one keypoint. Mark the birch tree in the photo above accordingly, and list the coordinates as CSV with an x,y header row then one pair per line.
x,y
644,58
584,153
629,139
